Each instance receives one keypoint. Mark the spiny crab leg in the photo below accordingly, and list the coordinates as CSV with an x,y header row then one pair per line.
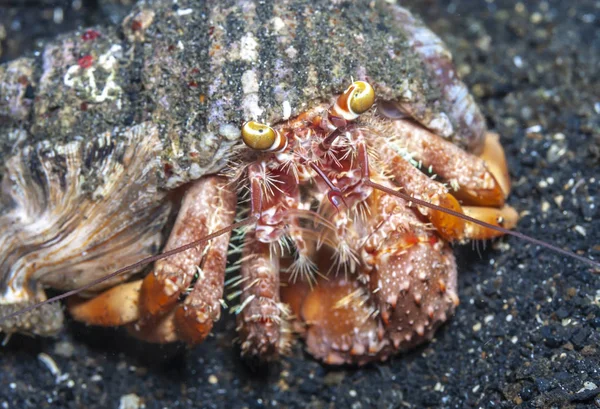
x,y
418,185
262,319
483,224
480,182
208,206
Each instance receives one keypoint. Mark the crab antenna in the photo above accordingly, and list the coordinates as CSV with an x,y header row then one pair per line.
x,y
521,236
137,264
329,139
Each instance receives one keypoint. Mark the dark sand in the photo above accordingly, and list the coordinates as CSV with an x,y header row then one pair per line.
x,y
527,332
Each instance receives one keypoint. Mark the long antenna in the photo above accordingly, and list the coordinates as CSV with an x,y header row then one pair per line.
x,y
522,236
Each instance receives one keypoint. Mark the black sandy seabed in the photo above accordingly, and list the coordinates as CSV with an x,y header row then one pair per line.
x,y
527,332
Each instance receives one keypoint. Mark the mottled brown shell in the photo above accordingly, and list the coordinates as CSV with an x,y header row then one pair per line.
x,y
199,69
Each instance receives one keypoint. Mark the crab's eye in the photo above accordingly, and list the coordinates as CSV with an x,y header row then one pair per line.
x,y
262,137
361,97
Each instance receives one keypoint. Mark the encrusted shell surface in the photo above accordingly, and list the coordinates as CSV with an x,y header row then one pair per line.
x,y
198,69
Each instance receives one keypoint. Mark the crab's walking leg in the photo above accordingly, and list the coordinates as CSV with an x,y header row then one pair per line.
x,y
479,183
114,307
262,318
482,189
208,205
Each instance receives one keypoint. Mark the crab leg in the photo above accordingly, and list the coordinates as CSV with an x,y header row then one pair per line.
x,y
261,317
341,324
201,308
207,206
117,306
494,157
412,273
478,184
418,185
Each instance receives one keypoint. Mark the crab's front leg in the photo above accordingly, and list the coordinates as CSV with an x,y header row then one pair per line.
x,y
152,306
262,318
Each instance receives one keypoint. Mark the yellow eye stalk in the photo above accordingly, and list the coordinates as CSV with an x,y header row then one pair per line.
x,y
362,97
356,100
262,137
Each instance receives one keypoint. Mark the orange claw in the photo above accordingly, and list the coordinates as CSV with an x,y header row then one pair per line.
x,y
113,307
493,155
193,325
449,227
506,217
340,326
482,197
155,300
495,161
162,330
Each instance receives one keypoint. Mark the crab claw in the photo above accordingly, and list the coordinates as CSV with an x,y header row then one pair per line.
x,y
419,292
339,324
114,307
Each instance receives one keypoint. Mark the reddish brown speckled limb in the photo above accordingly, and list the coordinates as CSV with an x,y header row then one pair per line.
x,y
208,206
412,273
262,319
479,183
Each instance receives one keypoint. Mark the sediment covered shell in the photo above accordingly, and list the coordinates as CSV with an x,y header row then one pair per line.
x,y
198,69
108,119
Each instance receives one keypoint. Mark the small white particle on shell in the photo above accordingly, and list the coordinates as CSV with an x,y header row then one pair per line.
x,y
287,110
249,82
248,48
277,24
229,131
195,171
184,12
291,52
250,107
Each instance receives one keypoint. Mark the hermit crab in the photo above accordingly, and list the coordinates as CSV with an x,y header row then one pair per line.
x,y
110,131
